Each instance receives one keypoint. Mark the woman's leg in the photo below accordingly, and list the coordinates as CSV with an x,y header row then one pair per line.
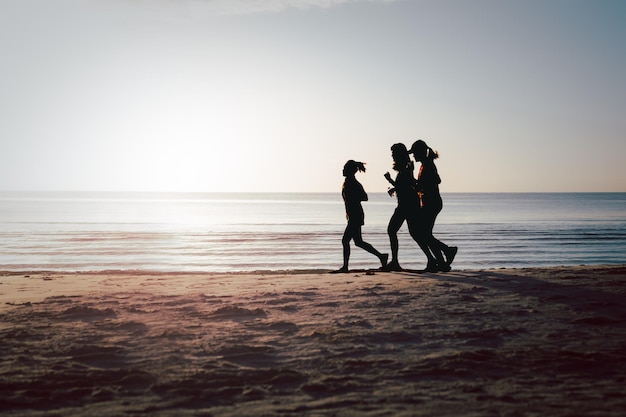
x,y
433,244
392,230
358,241
418,231
345,242
438,247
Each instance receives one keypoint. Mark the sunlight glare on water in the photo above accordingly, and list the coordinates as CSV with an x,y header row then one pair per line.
x,y
232,232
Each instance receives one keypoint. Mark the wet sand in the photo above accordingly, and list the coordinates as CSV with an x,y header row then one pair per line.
x,y
505,342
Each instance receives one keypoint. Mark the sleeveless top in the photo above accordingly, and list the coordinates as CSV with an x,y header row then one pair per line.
x,y
353,193
428,182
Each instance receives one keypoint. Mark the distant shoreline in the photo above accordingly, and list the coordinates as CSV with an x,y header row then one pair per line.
x,y
274,193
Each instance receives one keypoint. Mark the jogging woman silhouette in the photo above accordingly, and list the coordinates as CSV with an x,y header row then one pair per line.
x,y
353,193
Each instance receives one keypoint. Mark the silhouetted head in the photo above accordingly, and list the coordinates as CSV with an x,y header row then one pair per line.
x,y
421,151
400,156
351,167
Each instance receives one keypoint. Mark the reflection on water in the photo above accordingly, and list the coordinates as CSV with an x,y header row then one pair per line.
x,y
227,232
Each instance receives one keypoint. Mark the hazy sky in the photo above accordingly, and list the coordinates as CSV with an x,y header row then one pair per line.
x,y
275,95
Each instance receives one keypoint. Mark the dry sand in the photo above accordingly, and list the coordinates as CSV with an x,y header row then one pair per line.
x,y
526,342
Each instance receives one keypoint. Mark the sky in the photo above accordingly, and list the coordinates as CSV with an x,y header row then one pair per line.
x,y
276,95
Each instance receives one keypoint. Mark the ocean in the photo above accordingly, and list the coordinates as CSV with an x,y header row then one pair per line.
x,y
228,232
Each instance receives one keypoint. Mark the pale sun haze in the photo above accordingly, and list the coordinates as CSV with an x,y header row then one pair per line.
x,y
276,95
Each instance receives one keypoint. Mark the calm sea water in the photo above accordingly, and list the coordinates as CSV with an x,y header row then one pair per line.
x,y
247,232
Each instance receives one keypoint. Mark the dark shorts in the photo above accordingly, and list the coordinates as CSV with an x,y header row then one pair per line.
x,y
356,221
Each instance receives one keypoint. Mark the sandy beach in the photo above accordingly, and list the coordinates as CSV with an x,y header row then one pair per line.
x,y
502,342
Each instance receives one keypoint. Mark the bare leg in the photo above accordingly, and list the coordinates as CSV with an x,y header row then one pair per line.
x,y
345,242
392,230
358,241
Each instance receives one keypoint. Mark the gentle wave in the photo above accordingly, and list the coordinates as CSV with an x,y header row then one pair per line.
x,y
278,232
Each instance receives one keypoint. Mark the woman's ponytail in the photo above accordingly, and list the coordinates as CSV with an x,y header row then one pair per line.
x,y
432,154
353,166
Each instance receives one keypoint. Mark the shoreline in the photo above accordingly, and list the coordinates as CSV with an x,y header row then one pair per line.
x,y
18,271
524,341
35,286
